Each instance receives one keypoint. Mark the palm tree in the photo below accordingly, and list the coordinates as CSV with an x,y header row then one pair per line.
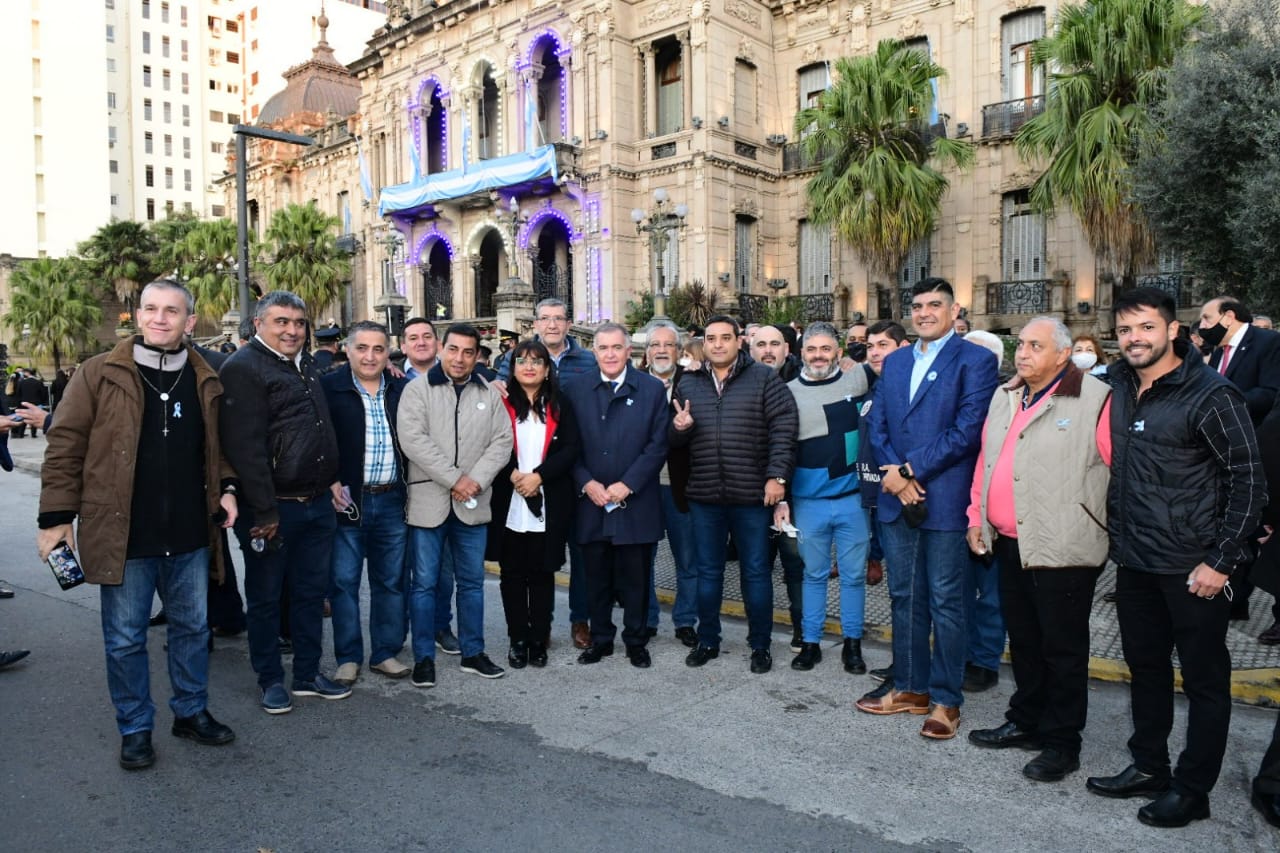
x,y
54,306
306,257
121,252
692,303
206,257
169,234
878,185
1107,61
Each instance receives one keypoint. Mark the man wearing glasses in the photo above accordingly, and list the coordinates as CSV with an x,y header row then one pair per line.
x,y
363,401
569,360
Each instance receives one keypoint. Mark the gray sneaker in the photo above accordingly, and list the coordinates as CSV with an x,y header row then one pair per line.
x,y
275,699
447,642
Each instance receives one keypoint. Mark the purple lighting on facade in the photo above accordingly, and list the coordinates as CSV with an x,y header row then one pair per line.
x,y
547,213
428,239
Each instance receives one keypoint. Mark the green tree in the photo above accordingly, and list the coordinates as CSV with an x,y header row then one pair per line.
x,y
1107,63
120,254
1209,176
692,303
206,257
306,260
880,186
639,311
52,302
169,234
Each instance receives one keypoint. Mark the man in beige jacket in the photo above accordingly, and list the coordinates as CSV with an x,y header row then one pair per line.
x,y
457,436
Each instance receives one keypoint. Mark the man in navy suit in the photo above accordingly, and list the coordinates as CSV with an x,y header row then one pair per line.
x,y
622,416
925,427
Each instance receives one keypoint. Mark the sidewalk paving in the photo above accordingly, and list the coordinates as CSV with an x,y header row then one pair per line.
x,y
1256,668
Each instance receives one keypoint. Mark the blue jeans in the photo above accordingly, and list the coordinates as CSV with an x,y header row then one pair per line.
x,y
380,536
467,543
982,613
304,562
822,521
927,572
183,584
679,525
444,592
749,525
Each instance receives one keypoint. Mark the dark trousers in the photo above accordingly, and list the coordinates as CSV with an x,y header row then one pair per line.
x,y
1046,612
1157,615
226,608
781,545
1268,779
303,564
528,586
621,572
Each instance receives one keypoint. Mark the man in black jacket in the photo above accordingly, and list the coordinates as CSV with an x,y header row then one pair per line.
x,y
740,424
277,435
1186,492
363,400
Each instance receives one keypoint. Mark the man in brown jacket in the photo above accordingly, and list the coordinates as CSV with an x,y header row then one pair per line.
x,y
136,458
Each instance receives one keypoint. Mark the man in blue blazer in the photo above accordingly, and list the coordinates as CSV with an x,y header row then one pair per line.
x,y
622,421
925,427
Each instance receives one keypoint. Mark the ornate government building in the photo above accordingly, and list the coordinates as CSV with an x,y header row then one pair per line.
x,y
477,141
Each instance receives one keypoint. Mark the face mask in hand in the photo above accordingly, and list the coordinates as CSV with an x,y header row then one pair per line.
x,y
1213,335
1084,360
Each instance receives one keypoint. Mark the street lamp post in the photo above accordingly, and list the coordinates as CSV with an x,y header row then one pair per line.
x,y
392,242
658,224
514,222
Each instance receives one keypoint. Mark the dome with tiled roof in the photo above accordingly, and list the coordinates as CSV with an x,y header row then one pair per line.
x,y
319,85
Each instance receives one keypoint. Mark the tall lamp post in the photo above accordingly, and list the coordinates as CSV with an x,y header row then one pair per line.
x,y
658,224
392,242
514,222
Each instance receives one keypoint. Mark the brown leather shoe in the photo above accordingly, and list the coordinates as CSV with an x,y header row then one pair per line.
x,y
875,572
581,635
894,702
942,723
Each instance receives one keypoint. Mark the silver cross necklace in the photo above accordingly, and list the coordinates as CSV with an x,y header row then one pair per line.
x,y
164,395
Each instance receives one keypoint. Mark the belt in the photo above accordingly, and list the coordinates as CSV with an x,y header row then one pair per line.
x,y
301,499
380,489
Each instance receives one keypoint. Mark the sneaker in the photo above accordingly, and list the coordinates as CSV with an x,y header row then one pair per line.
x,y
687,635
701,655
424,673
761,661
447,642
275,699
347,674
797,640
810,654
391,668
481,665
321,686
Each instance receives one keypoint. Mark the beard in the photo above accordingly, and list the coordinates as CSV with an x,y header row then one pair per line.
x,y
819,373
662,370
1146,357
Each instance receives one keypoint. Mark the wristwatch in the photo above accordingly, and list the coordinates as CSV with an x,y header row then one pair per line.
x,y
781,481
904,471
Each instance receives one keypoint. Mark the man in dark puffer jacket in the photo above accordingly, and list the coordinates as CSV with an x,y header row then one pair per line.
x,y
739,422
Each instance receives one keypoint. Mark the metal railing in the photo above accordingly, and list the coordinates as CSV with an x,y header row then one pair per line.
x,y
795,159
1002,120
553,282
1018,297
1179,285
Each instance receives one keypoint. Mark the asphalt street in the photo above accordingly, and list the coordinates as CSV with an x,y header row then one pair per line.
x,y
570,758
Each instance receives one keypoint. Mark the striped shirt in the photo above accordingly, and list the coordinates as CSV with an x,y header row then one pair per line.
x,y
379,448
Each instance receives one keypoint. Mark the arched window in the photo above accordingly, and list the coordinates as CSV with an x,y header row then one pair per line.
x,y
550,92
488,120
669,70
432,130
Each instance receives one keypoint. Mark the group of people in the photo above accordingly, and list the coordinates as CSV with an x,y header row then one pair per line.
x,y
853,455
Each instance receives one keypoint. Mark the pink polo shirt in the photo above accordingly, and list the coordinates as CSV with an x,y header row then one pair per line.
x,y
1001,512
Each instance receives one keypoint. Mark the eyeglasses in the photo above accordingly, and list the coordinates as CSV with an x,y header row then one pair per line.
x,y
553,320
529,361
661,345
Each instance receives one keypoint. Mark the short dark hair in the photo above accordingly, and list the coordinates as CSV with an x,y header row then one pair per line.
x,y
724,318
414,321
1235,306
1129,301
933,284
548,396
367,326
247,329
891,328
462,330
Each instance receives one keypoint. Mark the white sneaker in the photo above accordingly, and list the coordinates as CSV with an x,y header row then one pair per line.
x,y
347,674
391,668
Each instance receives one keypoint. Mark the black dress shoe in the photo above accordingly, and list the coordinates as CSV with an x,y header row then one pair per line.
x,y
596,652
1268,805
651,632
851,657
979,678
1004,737
12,656
761,661
810,654
1129,782
518,654
884,673
882,689
160,618
687,635
1051,766
1174,809
136,752
700,655
639,657
203,728
537,655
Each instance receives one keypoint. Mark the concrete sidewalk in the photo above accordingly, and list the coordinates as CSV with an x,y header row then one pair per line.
x,y
1256,677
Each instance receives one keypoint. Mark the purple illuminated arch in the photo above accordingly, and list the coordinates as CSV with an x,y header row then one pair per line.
x,y
430,237
538,217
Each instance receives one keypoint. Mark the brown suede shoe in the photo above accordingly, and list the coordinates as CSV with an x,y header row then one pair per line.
x,y
894,702
942,723
875,572
582,635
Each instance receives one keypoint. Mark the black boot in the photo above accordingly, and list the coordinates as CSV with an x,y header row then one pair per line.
x,y
851,656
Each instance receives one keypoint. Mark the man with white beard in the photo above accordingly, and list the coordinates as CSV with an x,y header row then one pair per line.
x,y
825,500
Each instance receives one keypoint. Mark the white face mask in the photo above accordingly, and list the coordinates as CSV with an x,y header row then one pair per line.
x,y
1084,360
685,362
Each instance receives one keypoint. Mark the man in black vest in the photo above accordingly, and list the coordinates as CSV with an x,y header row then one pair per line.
x,y
1187,490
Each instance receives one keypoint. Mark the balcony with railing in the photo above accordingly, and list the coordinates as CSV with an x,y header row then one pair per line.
x,y
1179,285
1002,120
1019,297
796,159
